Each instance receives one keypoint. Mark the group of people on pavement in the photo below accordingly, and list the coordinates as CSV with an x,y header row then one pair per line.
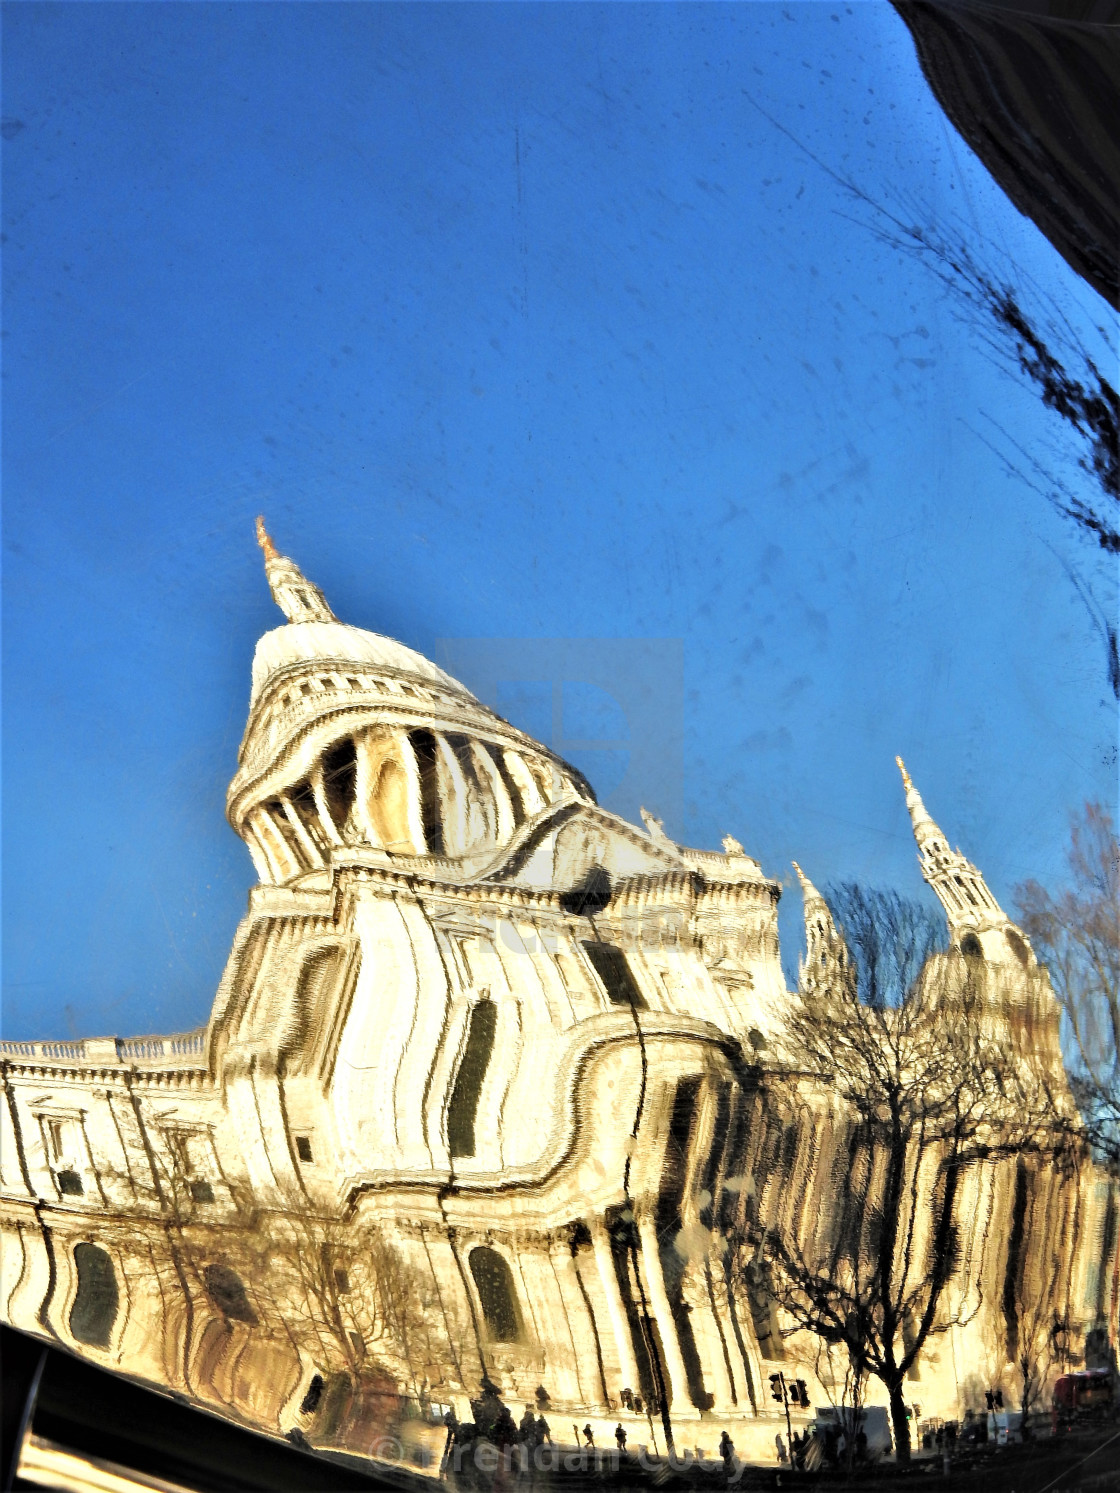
x,y
807,1452
493,1423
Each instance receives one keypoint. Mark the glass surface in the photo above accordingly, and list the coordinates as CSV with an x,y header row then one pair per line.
x,y
661,416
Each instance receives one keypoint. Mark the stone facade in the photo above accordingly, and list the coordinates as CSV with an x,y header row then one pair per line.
x,y
488,1043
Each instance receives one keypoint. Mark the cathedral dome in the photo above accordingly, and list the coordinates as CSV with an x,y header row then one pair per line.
x,y
339,643
355,742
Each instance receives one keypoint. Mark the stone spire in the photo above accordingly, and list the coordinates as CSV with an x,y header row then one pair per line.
x,y
925,831
973,913
826,958
292,592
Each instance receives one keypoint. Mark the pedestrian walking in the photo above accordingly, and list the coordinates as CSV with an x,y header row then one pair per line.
x,y
587,1436
543,1432
620,1436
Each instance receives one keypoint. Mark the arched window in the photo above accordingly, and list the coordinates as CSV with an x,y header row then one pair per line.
x,y
97,1298
226,1290
494,1282
971,947
468,1081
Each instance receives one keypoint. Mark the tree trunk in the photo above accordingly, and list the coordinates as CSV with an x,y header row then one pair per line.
x,y
900,1426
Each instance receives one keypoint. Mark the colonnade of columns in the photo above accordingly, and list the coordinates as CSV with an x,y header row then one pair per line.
x,y
707,1329
418,792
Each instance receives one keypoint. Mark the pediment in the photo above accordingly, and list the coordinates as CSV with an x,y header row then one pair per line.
x,y
563,846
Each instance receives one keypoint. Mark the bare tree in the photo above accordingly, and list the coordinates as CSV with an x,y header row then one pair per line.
x,y
350,1299
900,1039
1077,935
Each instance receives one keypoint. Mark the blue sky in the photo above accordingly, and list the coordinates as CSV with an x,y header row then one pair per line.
x,y
518,322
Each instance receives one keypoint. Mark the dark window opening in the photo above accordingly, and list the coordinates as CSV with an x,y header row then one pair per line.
x,y
305,688
494,1282
340,777
69,1183
310,1402
303,1147
1012,1277
353,683
427,761
463,1107
342,1282
677,1147
97,1298
971,947
201,1191
226,1290
611,966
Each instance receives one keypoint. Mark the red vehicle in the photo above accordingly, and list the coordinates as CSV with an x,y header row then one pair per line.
x,y
1087,1391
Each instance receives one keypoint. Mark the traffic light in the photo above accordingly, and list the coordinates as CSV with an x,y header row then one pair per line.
x,y
991,1399
801,1394
999,1399
776,1387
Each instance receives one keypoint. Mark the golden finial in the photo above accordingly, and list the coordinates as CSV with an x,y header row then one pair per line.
x,y
264,541
906,783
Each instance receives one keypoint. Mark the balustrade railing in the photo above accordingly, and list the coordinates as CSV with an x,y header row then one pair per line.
x,y
171,1050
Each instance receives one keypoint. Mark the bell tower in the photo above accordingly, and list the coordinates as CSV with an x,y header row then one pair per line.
x,y
978,925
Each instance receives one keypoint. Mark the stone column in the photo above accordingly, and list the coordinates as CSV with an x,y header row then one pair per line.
x,y
581,1328
604,1259
532,798
330,829
706,1325
414,808
276,847
663,1312
310,849
504,819
454,800
256,853
368,761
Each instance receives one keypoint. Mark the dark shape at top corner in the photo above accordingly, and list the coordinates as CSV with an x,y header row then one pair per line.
x,y
1033,86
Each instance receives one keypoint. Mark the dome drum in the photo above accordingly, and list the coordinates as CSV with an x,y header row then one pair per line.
x,y
406,789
